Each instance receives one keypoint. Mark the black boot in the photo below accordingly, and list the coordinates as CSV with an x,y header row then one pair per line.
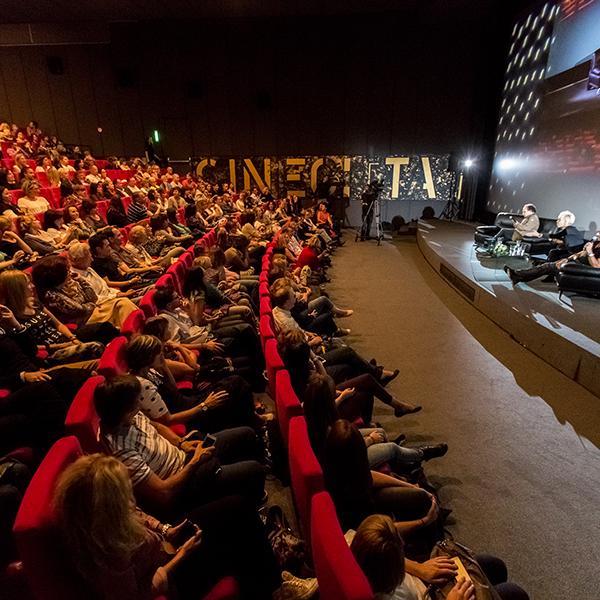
x,y
435,451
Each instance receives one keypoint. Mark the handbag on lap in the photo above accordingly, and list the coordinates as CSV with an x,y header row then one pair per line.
x,y
484,590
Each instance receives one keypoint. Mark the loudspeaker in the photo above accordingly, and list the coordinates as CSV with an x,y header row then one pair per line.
x,y
55,65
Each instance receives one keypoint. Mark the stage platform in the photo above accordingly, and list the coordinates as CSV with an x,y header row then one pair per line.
x,y
565,333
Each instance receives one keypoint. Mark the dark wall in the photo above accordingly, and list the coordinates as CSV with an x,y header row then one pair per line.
x,y
360,84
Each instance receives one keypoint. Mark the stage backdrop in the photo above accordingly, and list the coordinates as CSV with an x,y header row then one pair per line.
x,y
409,182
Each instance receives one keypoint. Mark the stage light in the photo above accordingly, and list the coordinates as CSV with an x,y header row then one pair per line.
x,y
469,162
506,164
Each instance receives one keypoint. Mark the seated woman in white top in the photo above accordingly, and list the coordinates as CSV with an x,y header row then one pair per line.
x,y
32,202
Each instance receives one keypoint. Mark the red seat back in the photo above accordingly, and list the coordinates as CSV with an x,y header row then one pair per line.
x,y
134,323
102,206
287,404
305,471
274,363
82,420
263,289
147,304
265,330
339,576
265,306
52,194
187,258
48,573
112,361
165,281
42,177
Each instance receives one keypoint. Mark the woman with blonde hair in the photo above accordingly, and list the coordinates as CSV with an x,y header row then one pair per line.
x,y
125,554
16,292
32,202
35,237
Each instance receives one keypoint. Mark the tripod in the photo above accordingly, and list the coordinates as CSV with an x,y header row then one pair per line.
x,y
453,206
364,230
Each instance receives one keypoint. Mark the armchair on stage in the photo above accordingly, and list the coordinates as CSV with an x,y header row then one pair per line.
x,y
534,246
578,278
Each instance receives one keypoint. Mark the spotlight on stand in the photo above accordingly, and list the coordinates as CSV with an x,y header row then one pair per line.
x,y
468,163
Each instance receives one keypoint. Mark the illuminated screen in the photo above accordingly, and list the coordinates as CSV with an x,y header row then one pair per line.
x,y
548,138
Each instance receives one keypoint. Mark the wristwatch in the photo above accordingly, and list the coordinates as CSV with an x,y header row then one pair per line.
x,y
203,406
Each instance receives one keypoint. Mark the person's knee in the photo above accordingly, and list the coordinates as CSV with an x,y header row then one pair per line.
x,y
511,591
494,568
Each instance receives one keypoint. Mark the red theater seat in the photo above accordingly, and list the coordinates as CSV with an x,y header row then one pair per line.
x,y
166,281
265,330
274,363
265,306
147,304
112,361
134,323
82,420
48,573
339,576
305,471
287,403
263,289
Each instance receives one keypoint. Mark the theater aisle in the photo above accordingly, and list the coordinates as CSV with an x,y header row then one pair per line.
x,y
523,470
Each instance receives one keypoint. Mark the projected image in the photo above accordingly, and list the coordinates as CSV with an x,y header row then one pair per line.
x,y
548,144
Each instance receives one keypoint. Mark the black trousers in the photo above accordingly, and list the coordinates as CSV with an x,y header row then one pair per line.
x,y
542,270
234,543
344,363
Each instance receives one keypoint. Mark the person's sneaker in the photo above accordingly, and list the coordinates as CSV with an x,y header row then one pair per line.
x,y
294,588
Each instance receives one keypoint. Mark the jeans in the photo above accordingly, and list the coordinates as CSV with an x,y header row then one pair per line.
x,y
399,458
322,323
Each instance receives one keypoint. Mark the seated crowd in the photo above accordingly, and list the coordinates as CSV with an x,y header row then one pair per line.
x,y
173,503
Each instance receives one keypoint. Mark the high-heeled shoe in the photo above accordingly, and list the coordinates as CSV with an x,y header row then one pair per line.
x,y
385,379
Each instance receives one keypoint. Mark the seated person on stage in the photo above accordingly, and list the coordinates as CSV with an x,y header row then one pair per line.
x,y
379,551
527,227
589,256
565,238
171,474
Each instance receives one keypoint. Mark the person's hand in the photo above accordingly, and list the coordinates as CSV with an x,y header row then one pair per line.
x,y
202,454
135,279
214,347
18,256
437,570
189,445
346,393
377,437
10,236
128,294
589,247
313,313
191,544
35,377
215,399
7,317
433,512
155,268
463,590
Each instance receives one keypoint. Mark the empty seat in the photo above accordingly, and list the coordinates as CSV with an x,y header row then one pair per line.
x,y
339,576
305,471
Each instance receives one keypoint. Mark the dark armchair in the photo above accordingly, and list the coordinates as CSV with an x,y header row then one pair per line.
x,y
578,278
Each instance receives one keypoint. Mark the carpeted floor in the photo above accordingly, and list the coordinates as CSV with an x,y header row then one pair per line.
x,y
523,470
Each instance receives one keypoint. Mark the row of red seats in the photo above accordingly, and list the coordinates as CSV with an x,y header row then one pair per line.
x,y
338,574
35,524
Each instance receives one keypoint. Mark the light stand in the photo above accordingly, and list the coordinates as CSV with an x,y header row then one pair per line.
x,y
453,206
375,208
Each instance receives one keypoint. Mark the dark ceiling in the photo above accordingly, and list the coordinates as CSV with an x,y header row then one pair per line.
x,y
19,11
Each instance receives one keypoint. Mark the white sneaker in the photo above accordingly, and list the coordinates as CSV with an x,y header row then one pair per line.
x,y
295,588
